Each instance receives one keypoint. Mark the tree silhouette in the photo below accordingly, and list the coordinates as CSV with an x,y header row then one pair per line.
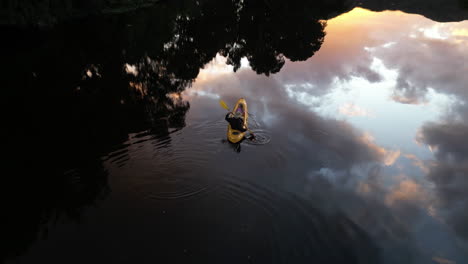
x,y
264,32
464,3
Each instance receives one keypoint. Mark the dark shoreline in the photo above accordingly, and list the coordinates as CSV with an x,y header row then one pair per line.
x,y
38,17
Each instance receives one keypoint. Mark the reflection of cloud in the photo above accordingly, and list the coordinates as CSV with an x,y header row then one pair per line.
x,y
331,159
435,57
131,69
451,184
393,223
450,173
425,64
440,260
426,56
406,98
387,157
447,139
353,110
269,97
348,145
405,43
216,68
342,55
336,155
391,157
407,190
417,162
434,32
460,32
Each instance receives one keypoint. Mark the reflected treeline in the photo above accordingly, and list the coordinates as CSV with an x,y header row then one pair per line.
x,y
36,194
45,13
464,3
265,32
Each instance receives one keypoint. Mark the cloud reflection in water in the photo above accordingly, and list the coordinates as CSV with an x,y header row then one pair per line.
x,y
413,201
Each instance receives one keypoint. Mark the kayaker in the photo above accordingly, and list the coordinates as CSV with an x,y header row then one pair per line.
x,y
236,121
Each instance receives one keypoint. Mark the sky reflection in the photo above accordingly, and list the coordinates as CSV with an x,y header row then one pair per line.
x,y
380,114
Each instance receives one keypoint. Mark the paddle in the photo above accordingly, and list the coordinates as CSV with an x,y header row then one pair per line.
x,y
224,105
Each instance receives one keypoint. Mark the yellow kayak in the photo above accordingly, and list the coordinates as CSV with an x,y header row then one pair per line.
x,y
235,136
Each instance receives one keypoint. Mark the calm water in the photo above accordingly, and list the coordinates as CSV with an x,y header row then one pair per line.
x,y
117,148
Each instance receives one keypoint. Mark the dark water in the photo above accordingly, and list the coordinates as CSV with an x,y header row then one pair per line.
x,y
116,143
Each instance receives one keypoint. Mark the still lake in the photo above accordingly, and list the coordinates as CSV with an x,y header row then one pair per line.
x,y
117,142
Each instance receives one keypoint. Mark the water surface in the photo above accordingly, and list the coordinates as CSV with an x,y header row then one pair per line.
x,y
119,152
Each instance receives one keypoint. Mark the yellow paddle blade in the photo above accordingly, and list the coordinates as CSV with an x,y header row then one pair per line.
x,y
223,105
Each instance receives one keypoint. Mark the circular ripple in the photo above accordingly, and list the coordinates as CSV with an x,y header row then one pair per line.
x,y
262,137
296,228
177,188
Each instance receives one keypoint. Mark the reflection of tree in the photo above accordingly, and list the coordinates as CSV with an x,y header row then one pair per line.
x,y
265,32
46,13
70,102
39,194
464,3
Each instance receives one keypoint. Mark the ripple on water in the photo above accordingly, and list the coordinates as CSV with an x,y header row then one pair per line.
x,y
262,137
297,227
167,164
178,188
172,162
181,167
